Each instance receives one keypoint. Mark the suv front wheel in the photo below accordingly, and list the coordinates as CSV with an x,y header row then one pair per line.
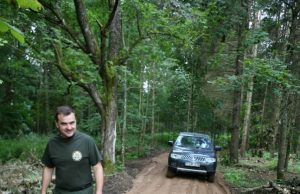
x,y
211,177
170,173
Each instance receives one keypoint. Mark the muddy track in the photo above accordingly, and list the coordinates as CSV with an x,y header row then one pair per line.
x,y
152,179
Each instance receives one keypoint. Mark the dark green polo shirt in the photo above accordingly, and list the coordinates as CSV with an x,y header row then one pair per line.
x,y
72,159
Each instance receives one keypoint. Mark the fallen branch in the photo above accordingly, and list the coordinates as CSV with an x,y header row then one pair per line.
x,y
272,188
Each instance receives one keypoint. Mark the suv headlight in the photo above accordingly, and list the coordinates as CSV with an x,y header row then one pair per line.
x,y
210,160
175,156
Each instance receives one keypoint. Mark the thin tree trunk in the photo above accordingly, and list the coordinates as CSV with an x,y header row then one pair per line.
x,y
288,151
188,111
263,112
298,147
123,131
275,123
297,126
153,88
38,109
236,114
255,20
144,124
46,110
282,151
247,118
293,61
140,114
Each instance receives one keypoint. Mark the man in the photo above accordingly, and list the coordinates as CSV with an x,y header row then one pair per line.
x,y
72,154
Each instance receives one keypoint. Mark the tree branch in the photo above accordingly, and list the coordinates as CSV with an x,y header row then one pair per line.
x,y
112,15
68,74
61,22
90,41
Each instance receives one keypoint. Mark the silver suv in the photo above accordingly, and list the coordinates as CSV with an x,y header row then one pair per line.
x,y
194,153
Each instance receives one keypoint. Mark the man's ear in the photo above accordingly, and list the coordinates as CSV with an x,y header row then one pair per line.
x,y
56,124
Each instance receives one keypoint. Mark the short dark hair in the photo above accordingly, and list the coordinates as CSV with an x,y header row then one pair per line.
x,y
65,110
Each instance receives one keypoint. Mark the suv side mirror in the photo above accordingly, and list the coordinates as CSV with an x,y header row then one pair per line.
x,y
218,148
170,143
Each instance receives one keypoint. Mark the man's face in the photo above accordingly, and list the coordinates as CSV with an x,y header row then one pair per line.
x,y
66,125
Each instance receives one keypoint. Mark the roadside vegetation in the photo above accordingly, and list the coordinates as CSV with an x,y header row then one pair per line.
x,y
250,172
253,172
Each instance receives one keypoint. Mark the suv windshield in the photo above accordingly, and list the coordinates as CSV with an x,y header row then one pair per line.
x,y
194,142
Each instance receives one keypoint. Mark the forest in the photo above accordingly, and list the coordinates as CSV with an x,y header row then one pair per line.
x,y
138,72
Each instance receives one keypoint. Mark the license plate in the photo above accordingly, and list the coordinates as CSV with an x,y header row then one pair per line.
x,y
193,164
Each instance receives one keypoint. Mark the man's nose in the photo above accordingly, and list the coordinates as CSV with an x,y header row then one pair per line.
x,y
69,126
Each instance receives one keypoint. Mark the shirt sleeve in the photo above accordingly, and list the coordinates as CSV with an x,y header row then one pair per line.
x,y
46,159
94,154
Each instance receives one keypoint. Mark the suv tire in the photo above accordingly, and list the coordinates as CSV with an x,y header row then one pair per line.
x,y
211,177
170,173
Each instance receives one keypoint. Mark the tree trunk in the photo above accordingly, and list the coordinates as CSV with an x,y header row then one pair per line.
x,y
297,126
275,122
293,61
189,111
46,107
140,111
255,20
110,82
288,151
282,149
153,88
123,130
247,118
236,114
263,111
109,144
298,147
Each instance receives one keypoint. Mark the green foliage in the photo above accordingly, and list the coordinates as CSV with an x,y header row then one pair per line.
x,y
236,177
22,147
32,4
272,164
5,27
16,94
162,139
90,124
223,140
109,167
134,148
15,32
294,166
240,178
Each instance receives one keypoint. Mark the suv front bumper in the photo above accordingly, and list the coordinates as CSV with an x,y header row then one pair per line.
x,y
180,166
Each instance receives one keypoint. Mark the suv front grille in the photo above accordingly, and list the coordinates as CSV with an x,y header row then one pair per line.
x,y
193,157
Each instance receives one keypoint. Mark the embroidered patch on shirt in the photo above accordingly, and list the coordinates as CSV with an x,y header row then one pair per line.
x,y
76,156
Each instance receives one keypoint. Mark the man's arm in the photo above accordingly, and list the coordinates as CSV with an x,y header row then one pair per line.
x,y
47,176
98,173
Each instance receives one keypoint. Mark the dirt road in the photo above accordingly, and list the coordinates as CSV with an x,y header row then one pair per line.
x,y
152,180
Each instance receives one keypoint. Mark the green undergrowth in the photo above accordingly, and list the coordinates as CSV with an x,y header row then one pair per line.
x,y
256,171
22,148
32,146
137,147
